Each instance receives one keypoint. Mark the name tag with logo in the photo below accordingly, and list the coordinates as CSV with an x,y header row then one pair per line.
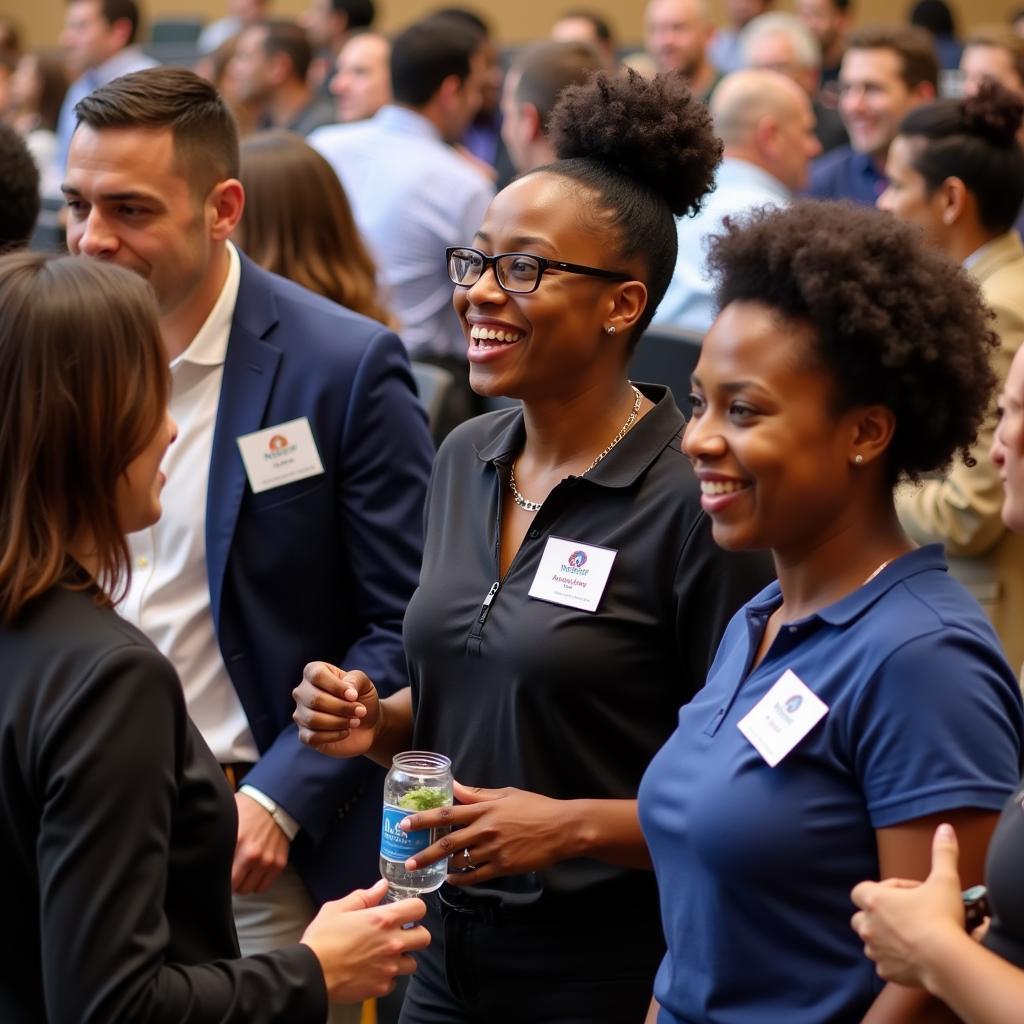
x,y
782,718
572,574
280,455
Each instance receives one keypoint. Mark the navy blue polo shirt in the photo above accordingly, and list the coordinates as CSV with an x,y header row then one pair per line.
x,y
755,864
843,173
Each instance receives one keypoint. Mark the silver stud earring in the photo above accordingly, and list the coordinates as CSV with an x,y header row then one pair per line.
x,y
610,329
859,459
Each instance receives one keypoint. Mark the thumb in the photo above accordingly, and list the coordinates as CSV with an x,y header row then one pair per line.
x,y
945,852
474,794
361,899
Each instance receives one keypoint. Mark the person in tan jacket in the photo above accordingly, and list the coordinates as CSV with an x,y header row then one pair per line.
x,y
956,170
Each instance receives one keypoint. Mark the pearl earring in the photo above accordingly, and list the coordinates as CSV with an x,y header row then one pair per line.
x,y
859,459
610,329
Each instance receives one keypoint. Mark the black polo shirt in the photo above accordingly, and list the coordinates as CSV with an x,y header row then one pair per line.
x,y
572,704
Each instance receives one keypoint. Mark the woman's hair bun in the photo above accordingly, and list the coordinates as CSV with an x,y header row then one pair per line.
x,y
654,131
994,113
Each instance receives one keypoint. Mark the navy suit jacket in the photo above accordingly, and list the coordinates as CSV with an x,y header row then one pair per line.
x,y
320,568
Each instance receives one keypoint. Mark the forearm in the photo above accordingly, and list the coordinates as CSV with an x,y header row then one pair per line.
x,y
606,830
978,986
394,731
897,1004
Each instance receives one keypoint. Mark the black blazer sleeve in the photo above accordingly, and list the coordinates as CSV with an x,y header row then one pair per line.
x,y
108,765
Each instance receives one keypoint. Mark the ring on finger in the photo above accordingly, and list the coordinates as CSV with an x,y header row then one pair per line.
x,y
470,866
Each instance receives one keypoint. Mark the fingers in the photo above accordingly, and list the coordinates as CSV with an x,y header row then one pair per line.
x,y
440,817
406,912
945,852
476,794
361,899
862,894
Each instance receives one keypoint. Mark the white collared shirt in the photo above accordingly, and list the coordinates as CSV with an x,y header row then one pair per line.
x,y
169,597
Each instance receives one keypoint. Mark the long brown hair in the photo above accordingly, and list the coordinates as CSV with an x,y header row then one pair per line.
x,y
298,223
83,385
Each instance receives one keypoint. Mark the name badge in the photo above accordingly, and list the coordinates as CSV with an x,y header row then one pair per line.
x,y
280,455
572,574
782,718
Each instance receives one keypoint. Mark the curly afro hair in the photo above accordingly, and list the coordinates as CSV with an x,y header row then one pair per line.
x,y
896,323
647,148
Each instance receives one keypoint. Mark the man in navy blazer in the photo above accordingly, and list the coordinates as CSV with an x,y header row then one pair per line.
x,y
292,515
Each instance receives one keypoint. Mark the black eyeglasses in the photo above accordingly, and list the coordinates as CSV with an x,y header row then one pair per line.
x,y
516,272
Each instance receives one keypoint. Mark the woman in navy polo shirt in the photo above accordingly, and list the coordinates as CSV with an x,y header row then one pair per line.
x,y
862,698
916,934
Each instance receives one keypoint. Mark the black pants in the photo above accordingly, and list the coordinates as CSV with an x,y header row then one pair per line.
x,y
594,965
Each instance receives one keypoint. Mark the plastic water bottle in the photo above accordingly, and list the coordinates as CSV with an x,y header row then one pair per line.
x,y
418,781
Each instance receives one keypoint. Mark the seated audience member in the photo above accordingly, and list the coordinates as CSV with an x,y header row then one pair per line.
x,y
993,53
329,24
38,87
861,699
550,911
915,933
829,22
781,42
765,121
362,77
118,824
241,14
98,41
297,222
482,139
411,194
532,86
886,72
269,69
725,50
936,18
677,34
956,171
590,28
19,192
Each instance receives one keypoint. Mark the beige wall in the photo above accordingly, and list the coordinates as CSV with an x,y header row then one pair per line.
x,y
514,22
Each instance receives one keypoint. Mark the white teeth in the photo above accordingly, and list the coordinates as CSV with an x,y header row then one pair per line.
x,y
478,333
721,486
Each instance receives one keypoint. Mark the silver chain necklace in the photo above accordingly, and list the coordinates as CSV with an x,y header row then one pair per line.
x,y
534,506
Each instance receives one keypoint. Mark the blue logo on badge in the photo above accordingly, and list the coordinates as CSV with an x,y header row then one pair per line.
x,y
793,703
578,559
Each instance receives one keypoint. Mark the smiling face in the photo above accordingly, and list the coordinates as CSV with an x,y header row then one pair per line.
x,y
129,203
772,456
874,98
1008,444
552,340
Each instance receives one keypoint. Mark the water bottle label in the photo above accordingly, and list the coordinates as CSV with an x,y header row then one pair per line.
x,y
396,845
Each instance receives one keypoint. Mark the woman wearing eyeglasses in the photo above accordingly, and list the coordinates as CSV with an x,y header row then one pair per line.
x,y
571,595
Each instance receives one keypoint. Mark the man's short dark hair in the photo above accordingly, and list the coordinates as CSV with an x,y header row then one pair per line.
x,y
467,17
602,30
546,69
119,10
19,190
360,13
913,46
288,38
204,132
427,53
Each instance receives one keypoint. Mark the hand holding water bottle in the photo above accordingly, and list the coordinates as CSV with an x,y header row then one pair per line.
x,y
362,946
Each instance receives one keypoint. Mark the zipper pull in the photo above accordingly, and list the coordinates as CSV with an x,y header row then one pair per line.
x,y
487,603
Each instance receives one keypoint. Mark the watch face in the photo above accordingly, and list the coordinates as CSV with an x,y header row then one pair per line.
x,y
976,892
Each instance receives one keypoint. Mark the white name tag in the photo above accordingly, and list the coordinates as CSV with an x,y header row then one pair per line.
x,y
572,574
280,455
782,718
